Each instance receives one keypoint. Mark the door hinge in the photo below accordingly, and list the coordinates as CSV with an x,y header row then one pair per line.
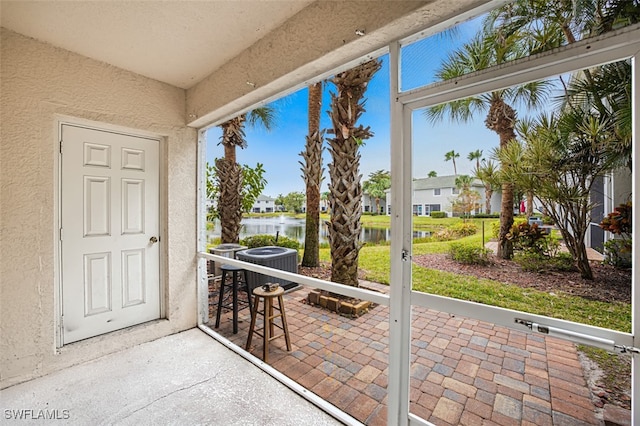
x,y
60,146
60,234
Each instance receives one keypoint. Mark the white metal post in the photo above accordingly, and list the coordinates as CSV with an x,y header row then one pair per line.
x,y
635,252
201,221
400,287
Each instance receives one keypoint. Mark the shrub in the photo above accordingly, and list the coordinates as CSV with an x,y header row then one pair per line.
x,y
269,240
526,237
464,229
619,221
445,234
563,262
495,226
468,254
618,253
438,215
487,216
455,231
532,261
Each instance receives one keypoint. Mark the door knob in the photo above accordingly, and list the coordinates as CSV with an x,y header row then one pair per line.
x,y
153,240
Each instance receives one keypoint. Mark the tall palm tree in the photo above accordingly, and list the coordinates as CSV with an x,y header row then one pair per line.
x,y
229,171
490,48
475,155
312,174
451,156
346,191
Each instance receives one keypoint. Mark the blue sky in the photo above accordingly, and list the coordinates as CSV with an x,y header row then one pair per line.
x,y
279,149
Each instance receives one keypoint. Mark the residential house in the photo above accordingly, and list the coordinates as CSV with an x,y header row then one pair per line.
x,y
264,204
438,193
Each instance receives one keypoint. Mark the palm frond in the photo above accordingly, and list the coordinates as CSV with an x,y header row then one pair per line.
x,y
265,116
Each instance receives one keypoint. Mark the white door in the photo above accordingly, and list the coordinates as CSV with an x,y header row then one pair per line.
x,y
110,231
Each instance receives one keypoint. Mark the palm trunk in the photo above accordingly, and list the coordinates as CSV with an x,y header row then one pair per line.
x,y
312,174
529,203
345,187
230,200
488,192
230,180
501,119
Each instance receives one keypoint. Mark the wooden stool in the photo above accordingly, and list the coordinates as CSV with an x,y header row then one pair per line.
x,y
268,316
235,283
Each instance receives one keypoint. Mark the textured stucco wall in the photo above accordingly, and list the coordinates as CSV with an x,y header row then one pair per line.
x,y
39,82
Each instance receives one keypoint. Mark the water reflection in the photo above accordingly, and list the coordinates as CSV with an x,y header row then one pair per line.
x,y
295,229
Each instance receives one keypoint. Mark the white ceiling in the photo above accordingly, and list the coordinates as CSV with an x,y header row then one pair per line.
x,y
177,42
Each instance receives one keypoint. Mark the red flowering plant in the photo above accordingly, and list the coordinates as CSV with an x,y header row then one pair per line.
x,y
618,222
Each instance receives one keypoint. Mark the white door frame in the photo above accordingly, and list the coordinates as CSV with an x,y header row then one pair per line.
x,y
59,121
608,48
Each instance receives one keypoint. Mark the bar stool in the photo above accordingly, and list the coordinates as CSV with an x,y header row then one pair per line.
x,y
235,283
268,316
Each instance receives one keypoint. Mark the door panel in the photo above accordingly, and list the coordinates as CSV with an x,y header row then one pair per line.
x,y
110,207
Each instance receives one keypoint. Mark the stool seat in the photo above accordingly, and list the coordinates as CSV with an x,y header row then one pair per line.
x,y
268,315
234,272
230,268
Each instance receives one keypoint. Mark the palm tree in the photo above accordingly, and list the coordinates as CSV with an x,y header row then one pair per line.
x,y
451,156
467,199
486,49
377,186
463,182
487,173
312,174
346,192
229,171
432,174
548,24
475,155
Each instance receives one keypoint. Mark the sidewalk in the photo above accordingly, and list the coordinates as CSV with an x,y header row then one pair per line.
x,y
463,371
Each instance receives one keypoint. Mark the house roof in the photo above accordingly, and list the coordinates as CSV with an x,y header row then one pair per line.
x,y
440,182
264,198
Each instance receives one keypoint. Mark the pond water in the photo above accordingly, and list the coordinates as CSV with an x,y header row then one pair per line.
x,y
295,229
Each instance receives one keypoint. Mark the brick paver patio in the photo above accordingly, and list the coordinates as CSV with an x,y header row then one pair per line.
x,y
463,371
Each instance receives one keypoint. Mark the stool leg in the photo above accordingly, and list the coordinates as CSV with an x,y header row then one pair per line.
x,y
220,297
285,327
253,323
268,327
234,287
248,290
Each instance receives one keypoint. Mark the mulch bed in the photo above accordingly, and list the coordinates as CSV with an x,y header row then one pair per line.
x,y
609,284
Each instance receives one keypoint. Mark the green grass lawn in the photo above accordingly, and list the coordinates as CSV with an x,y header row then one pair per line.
x,y
375,262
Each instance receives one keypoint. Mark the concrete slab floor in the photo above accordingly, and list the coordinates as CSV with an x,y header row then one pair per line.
x,y
184,379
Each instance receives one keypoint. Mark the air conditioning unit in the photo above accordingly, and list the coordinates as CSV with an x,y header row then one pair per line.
x,y
282,258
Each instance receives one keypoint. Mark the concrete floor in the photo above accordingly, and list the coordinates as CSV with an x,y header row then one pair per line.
x,y
184,379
